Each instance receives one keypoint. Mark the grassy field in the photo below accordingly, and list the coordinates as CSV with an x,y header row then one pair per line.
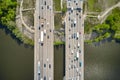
x,y
58,21
96,6
28,4
29,17
100,5
57,5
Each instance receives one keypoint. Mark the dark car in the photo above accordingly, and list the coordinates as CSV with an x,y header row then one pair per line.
x,y
48,36
39,28
45,2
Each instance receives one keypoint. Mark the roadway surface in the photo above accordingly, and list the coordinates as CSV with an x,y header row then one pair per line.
x,y
43,49
74,24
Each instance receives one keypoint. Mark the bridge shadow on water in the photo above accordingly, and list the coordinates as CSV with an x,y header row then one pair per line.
x,y
59,62
8,32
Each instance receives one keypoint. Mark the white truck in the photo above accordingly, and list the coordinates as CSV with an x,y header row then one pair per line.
x,y
41,37
77,35
38,67
77,54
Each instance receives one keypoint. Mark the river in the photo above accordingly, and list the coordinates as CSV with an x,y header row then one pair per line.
x,y
17,60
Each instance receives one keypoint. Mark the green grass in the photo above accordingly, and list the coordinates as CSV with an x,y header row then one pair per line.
x,y
57,5
58,43
100,5
58,21
91,4
64,9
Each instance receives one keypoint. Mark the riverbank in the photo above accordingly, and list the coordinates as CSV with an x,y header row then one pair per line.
x,y
8,18
108,29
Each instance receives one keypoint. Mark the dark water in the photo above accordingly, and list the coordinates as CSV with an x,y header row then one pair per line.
x,y
102,62
59,62
17,61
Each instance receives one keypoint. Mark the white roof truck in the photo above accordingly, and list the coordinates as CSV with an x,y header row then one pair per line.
x,y
38,67
78,45
77,54
42,37
77,35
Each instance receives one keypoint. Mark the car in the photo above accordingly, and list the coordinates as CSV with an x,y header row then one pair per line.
x,y
69,19
47,23
39,27
78,9
80,63
79,51
76,2
69,66
69,13
48,36
50,30
74,35
71,25
72,51
47,7
49,65
75,47
45,2
44,65
44,77
44,32
42,25
80,73
69,45
41,44
79,32
69,29
41,7
77,14
50,7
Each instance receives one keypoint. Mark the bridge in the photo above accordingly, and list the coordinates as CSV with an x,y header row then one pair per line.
x,y
74,34
74,37
43,48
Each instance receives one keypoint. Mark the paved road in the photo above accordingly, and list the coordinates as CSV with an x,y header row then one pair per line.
x,y
74,30
44,26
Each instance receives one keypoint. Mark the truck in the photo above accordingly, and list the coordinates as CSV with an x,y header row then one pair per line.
x,y
75,22
42,37
77,36
38,67
78,45
77,54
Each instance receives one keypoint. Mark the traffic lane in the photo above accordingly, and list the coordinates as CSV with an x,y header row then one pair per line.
x,y
50,57
67,49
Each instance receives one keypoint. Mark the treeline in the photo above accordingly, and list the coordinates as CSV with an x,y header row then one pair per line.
x,y
7,18
110,28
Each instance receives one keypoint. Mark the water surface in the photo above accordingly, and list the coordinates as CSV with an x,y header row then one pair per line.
x,y
16,60
102,62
